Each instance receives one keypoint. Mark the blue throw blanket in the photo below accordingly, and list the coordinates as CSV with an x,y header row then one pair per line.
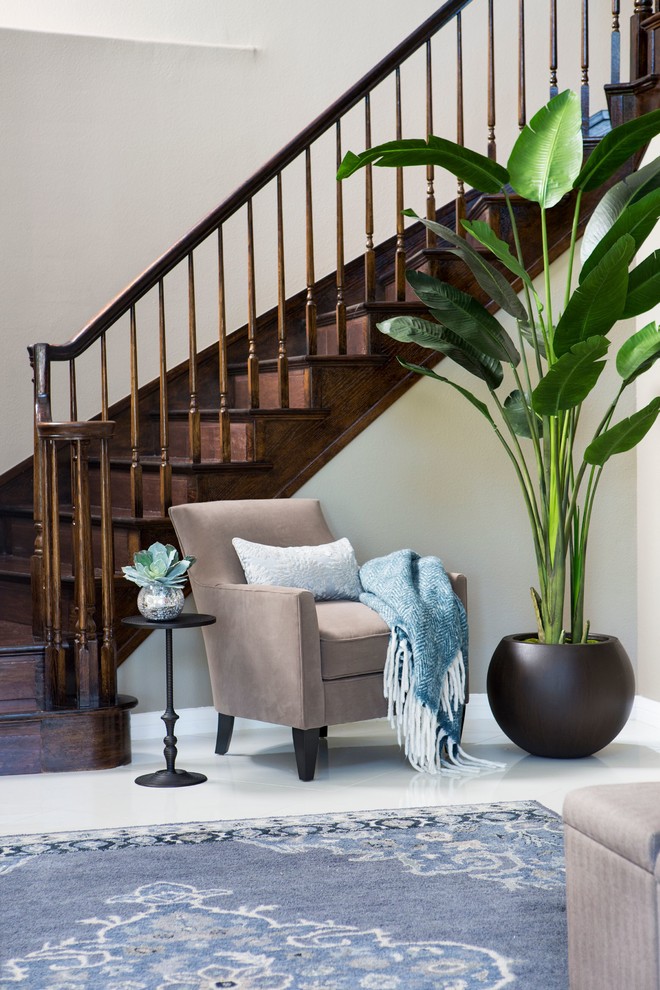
x,y
426,668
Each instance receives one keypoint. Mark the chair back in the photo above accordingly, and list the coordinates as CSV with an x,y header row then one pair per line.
x,y
206,529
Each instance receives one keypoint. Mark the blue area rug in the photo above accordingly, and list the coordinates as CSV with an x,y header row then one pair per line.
x,y
450,898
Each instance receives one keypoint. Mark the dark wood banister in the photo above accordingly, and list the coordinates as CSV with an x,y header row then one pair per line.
x,y
179,251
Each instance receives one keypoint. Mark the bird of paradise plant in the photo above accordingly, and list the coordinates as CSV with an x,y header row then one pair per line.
x,y
559,357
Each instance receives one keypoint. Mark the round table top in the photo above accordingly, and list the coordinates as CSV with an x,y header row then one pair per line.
x,y
187,620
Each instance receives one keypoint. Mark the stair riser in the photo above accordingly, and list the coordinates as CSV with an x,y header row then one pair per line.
x,y
242,440
15,598
120,485
357,337
21,683
269,390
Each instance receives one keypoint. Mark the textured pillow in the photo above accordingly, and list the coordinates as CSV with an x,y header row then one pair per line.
x,y
329,571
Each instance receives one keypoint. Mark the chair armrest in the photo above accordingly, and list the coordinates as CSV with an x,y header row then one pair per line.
x,y
264,653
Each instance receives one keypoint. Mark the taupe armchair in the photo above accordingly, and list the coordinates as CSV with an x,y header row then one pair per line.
x,y
275,654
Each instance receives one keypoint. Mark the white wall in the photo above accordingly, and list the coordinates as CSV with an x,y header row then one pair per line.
x,y
112,149
648,514
124,123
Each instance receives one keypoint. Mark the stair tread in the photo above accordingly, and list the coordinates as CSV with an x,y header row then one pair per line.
x,y
310,360
150,517
16,637
184,465
239,413
14,564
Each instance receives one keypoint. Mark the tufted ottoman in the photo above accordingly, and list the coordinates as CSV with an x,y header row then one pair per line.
x,y
612,835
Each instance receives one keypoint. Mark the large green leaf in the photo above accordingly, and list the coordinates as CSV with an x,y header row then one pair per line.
x,y
486,236
547,155
638,219
477,403
412,329
465,316
638,353
598,302
534,338
624,436
570,380
473,168
614,202
616,148
643,287
517,410
494,284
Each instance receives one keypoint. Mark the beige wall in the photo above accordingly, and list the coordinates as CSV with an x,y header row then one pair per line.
x,y
430,475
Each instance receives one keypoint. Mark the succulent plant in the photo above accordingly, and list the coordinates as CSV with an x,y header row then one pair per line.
x,y
160,564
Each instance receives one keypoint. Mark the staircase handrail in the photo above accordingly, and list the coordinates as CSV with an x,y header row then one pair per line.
x,y
121,304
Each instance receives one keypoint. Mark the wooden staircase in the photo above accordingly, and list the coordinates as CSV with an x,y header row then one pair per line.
x,y
252,416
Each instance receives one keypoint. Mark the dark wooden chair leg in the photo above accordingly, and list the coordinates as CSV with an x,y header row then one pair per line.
x,y
225,730
323,732
306,746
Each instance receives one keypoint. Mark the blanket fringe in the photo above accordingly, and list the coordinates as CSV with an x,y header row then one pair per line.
x,y
427,749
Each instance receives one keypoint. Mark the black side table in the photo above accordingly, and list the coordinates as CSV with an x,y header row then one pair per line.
x,y
170,777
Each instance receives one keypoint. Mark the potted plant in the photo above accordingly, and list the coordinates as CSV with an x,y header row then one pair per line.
x,y
161,575
560,691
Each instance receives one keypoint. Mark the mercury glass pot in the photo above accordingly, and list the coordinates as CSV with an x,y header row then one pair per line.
x,y
160,603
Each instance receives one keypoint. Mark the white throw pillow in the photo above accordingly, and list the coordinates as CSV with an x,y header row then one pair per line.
x,y
329,571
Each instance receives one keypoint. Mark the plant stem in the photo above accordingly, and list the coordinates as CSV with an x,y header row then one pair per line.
x,y
571,250
548,328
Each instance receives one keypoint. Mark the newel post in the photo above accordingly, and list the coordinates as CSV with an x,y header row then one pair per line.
x,y
639,40
40,363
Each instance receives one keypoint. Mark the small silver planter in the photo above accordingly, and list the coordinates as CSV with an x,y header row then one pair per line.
x,y
158,603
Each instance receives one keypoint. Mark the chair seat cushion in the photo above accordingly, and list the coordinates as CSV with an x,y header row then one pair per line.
x,y
354,640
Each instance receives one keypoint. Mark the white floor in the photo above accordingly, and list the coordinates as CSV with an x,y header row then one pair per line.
x,y
361,767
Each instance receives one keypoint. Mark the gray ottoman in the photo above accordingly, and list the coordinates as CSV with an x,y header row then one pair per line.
x,y
612,835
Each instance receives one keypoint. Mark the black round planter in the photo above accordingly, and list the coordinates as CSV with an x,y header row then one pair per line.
x,y
560,701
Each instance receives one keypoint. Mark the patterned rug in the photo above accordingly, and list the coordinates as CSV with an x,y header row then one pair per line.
x,y
450,898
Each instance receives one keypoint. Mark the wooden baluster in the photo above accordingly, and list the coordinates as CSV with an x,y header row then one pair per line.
x,y
73,416
55,662
340,307
639,49
104,690
282,358
223,372
400,253
522,85
369,253
73,392
553,49
431,237
40,361
104,378
137,502
194,419
584,88
615,44
165,466
85,645
310,304
107,686
40,368
51,678
252,360
460,129
492,148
